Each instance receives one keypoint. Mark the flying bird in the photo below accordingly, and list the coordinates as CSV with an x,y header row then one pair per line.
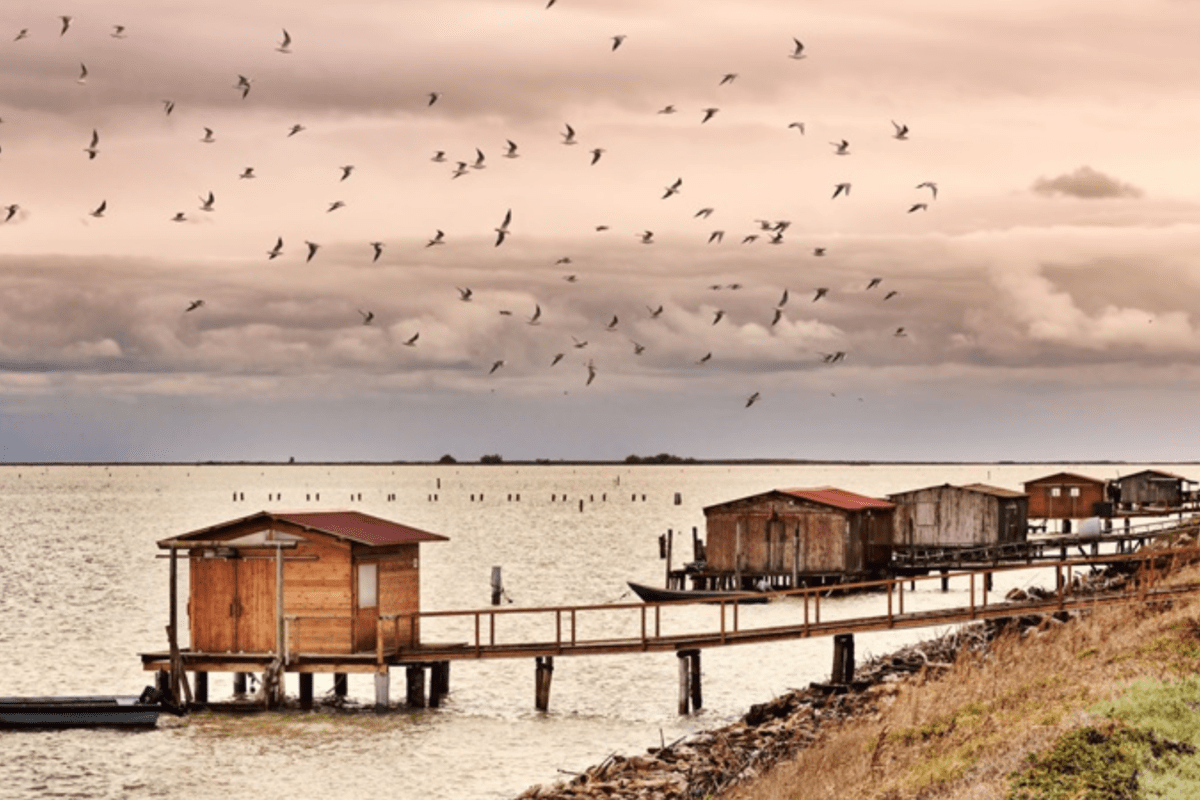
x,y
753,237
776,238
728,77
841,188
277,250
821,292
591,368
83,73
368,316
459,171
438,238
638,349
667,109
716,236
704,212
708,114
335,205
313,247
66,23
21,34
616,41
890,294
797,125
901,130
557,358
874,282
782,300
818,251
930,185
917,207
612,325
478,163
798,52
208,136
752,399
673,188
285,44
537,315
378,248
179,217
243,85
92,149
206,203
439,156
705,358
569,136
496,365
433,98
297,128
843,148
99,212
900,332
717,317
192,306
346,170
12,211
647,237
655,313
248,172
511,152
412,340
168,106
596,153
778,316
579,344
464,294
502,231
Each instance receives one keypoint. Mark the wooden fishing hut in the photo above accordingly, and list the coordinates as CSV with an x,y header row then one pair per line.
x,y
1066,496
294,591
1152,490
976,515
794,537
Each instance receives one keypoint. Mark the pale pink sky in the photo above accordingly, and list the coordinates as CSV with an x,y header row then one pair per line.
x,y
1048,295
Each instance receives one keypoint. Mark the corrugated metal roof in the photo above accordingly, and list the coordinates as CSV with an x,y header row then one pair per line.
x,y
839,498
995,491
1158,472
353,525
1067,476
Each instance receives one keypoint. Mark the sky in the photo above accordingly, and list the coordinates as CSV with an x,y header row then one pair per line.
x,y
1042,305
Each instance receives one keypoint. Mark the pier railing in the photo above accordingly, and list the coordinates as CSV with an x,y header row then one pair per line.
x,y
578,630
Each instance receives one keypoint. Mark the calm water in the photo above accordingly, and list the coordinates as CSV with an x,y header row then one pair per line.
x,y
82,593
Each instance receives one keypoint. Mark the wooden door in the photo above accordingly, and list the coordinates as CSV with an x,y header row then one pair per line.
x,y
213,605
366,602
257,631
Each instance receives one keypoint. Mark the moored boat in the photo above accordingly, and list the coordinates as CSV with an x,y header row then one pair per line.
x,y
653,594
79,712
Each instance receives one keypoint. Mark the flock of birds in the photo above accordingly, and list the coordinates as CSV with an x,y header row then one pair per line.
x,y
770,231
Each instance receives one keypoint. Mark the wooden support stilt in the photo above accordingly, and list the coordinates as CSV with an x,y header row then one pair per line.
x,y
414,679
341,684
544,670
945,581
684,676
843,658
694,680
162,683
382,679
239,683
201,695
306,690
497,586
439,683
987,582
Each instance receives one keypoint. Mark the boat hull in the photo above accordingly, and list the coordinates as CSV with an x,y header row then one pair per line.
x,y
652,594
120,711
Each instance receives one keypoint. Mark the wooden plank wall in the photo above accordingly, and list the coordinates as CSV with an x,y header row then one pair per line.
x,y
400,593
318,591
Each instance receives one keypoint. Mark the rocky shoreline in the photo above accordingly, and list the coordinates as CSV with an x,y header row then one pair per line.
x,y
708,763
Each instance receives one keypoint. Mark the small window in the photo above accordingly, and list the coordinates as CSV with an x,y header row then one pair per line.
x,y
1055,491
368,585
1074,491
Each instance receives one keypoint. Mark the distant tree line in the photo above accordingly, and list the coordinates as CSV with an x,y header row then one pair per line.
x,y
491,459
661,458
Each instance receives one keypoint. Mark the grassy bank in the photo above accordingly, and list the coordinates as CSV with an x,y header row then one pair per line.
x,y
1106,706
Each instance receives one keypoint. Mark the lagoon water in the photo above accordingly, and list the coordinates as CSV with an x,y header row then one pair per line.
x,y
82,592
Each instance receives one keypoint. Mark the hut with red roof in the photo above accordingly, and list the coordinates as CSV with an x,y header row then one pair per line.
x,y
798,535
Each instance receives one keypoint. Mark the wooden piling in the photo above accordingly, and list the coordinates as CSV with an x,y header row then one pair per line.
x,y
341,684
306,691
439,682
239,683
684,676
497,586
201,694
843,658
670,545
414,679
382,678
544,671
694,679
945,581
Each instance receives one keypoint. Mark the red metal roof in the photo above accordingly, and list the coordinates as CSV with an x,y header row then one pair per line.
x,y
353,525
1063,476
839,498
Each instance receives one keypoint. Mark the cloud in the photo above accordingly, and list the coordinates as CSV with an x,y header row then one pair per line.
x,y
1086,183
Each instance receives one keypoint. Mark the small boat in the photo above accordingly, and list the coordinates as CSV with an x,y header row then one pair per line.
x,y
80,712
652,594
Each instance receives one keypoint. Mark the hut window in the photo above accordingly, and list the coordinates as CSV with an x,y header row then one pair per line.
x,y
1074,491
1055,491
368,585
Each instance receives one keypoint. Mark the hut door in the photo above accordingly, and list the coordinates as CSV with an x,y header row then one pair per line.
x,y
366,614
256,628
213,605
776,547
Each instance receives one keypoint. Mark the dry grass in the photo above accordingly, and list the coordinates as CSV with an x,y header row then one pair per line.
x,y
962,735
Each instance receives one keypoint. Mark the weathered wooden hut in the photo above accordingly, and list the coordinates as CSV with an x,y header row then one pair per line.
x,y
303,582
976,515
1066,495
822,532
1153,489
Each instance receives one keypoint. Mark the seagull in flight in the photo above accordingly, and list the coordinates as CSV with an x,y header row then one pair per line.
x,y
464,294
207,203
798,52
459,171
821,292
874,282
99,211
412,340
798,125
591,368
752,399
277,250
596,153
673,188
438,238
843,148
667,109
750,238
890,294
248,172
778,316
579,344
511,152
901,131
292,131
612,325
502,231
782,300
705,358
818,251
616,40
900,332
439,156
716,236
313,247
537,315
647,237
841,188
21,34
557,358
433,98
728,77
704,212
179,217
930,185
168,106
208,136
83,73
569,136
378,248
496,365
346,170
655,313
335,205
243,85
717,317
708,114
192,306
368,316
12,211
478,163
66,23
91,149
918,207
284,45
638,349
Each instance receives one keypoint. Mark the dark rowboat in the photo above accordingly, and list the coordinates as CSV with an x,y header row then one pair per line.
x,y
652,594
78,712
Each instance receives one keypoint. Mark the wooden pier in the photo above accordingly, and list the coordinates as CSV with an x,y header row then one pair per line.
x,y
653,628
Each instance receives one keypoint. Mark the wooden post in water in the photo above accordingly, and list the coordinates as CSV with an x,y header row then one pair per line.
x,y
670,544
843,658
694,679
414,677
306,690
341,684
684,677
201,687
945,581
439,683
497,586
239,683
796,557
544,670
382,678
737,555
